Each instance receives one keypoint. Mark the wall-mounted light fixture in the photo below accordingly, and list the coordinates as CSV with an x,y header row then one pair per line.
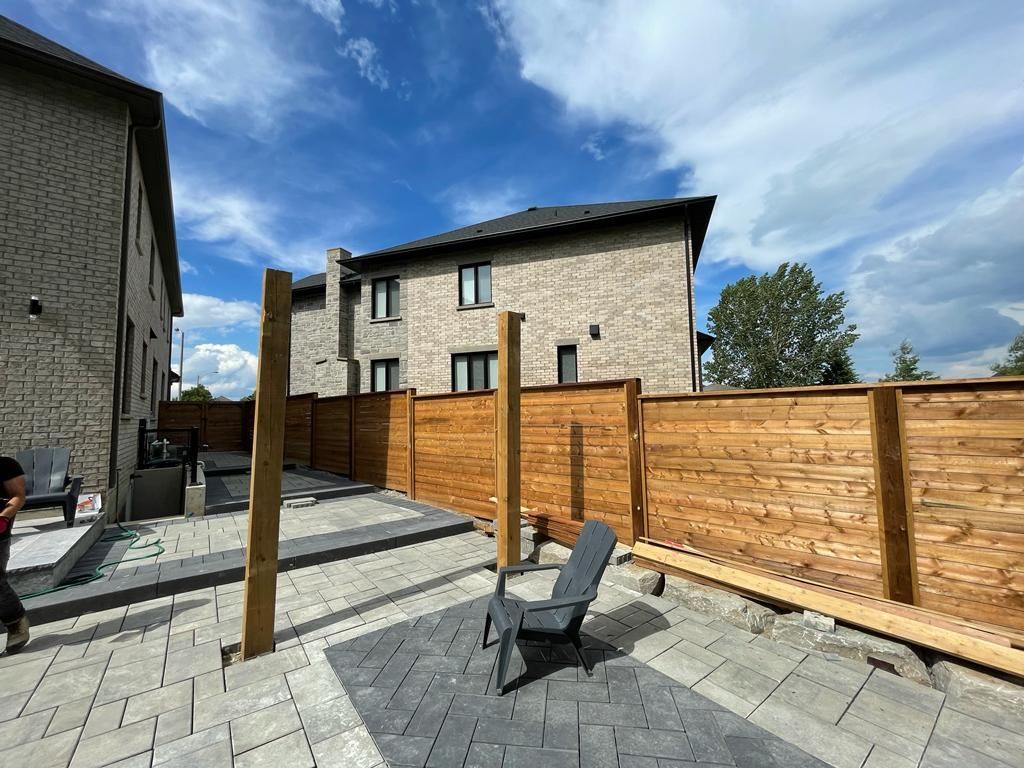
x,y
595,331
35,307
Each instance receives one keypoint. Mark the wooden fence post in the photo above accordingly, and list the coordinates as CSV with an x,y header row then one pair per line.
x,y
351,437
267,462
892,495
312,431
507,454
633,460
410,451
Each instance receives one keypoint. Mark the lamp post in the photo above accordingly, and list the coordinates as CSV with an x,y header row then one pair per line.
x,y
211,373
181,362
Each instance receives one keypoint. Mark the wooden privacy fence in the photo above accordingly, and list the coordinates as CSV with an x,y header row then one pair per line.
x,y
912,492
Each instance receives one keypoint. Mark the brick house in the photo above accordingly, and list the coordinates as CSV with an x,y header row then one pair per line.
x,y
88,230
606,291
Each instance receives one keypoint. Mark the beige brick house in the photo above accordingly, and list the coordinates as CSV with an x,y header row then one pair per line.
x,y
606,291
87,229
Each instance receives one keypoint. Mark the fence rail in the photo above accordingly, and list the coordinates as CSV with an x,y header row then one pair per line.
x,y
912,491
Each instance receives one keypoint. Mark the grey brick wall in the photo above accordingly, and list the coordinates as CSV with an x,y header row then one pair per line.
x,y
61,189
632,280
61,201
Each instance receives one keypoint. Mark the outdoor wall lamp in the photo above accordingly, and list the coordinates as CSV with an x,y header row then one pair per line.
x,y
35,307
595,331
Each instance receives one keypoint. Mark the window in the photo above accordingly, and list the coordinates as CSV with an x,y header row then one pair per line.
x,y
145,358
384,375
474,370
474,284
567,364
129,365
152,260
152,389
386,301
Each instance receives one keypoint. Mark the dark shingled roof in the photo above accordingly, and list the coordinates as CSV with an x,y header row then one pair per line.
x,y
23,48
545,219
311,282
16,33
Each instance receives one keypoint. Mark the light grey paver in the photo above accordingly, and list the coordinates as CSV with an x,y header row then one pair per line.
x,y
158,701
129,680
880,757
818,738
225,707
49,752
262,667
737,687
353,748
266,725
813,698
314,684
192,662
985,738
173,725
328,718
198,741
846,677
25,729
103,718
54,690
116,745
887,738
887,713
291,750
70,715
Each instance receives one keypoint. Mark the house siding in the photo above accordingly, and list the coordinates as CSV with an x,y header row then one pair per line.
x,y
631,279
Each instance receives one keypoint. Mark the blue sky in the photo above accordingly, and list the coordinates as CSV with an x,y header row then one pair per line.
x,y
883,143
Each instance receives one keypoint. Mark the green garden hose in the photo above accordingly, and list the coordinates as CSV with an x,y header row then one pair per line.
x,y
97,573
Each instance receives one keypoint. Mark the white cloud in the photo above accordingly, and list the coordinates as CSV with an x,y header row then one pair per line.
x,y
224,369
592,146
225,315
378,4
364,53
222,62
838,129
472,205
330,10
246,228
187,268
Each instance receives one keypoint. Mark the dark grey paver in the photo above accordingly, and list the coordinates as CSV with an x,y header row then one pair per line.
x,y
436,717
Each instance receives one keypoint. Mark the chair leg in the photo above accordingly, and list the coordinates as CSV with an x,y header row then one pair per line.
x,y
487,631
70,507
577,646
508,642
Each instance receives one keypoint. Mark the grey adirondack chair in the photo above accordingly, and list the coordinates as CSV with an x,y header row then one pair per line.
x,y
558,619
48,480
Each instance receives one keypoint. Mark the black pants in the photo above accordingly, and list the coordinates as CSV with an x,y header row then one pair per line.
x,y
11,609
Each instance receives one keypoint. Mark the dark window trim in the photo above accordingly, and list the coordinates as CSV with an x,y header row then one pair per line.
x,y
392,312
152,262
576,361
138,219
390,384
142,381
486,355
475,266
152,387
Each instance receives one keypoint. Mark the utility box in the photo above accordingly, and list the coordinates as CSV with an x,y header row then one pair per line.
x,y
158,492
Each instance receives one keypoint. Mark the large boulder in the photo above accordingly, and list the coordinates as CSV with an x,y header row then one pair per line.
x,y
851,644
728,607
982,694
642,580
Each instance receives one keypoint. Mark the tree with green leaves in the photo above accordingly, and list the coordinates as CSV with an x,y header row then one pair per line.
x,y
905,364
780,330
1014,365
197,394
250,396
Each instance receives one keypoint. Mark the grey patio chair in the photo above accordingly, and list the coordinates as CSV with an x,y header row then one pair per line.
x,y
558,619
48,481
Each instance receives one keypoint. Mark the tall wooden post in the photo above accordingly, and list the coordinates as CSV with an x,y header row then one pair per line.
x,y
410,450
267,461
892,495
634,461
507,420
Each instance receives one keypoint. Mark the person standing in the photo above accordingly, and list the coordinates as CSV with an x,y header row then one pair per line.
x,y
12,499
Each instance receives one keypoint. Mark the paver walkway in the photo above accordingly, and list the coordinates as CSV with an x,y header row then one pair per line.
x,y
144,685
425,690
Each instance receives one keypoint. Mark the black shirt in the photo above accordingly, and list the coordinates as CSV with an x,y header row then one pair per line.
x,y
9,469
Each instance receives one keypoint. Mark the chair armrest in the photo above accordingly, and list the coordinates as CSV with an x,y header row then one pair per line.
x,y
559,602
499,588
76,486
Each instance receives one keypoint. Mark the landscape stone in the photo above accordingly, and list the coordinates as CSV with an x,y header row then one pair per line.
x,y
851,644
642,580
733,609
985,696
819,621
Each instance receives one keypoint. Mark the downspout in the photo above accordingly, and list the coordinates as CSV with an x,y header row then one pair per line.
x,y
688,251
122,280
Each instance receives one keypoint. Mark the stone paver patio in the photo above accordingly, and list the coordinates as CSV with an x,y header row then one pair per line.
x,y
144,685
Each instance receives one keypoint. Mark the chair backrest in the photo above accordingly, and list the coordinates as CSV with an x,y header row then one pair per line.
x,y
46,469
585,567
